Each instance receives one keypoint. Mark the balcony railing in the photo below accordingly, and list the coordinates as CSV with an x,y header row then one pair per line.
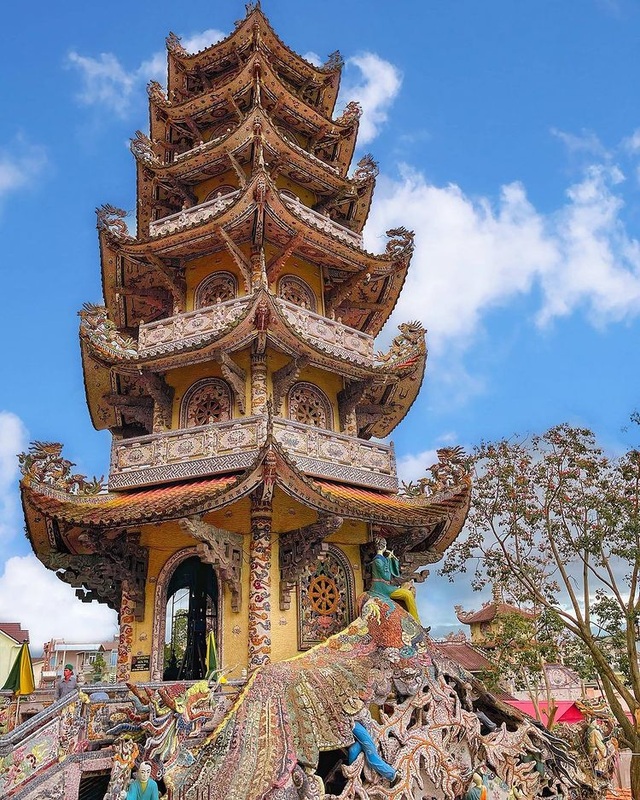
x,y
320,221
329,334
232,446
193,327
189,328
191,216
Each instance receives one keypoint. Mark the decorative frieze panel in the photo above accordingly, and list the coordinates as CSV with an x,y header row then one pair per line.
x,y
323,223
186,453
188,330
233,446
189,217
328,334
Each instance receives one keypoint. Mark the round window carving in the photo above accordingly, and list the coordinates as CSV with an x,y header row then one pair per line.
x,y
216,288
309,406
296,291
205,403
219,191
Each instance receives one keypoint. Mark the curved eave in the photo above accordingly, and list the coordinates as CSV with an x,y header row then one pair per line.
x,y
114,510
377,285
244,37
226,89
180,243
97,383
363,205
97,358
446,510
398,397
199,162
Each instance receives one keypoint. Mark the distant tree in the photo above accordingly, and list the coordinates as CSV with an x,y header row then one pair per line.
x,y
557,523
99,668
522,645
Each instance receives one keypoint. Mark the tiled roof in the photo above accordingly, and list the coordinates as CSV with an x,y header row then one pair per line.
x,y
131,507
408,509
490,612
15,631
465,654
619,794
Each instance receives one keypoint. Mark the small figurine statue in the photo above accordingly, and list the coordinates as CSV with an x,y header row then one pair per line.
x,y
144,787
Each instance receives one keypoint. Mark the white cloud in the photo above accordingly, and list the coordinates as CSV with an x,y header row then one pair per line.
x,y
107,83
33,596
199,41
412,467
13,440
20,163
377,88
473,254
313,58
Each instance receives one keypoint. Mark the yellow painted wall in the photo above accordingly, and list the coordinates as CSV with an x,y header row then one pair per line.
x,y
164,541
8,652
204,189
168,538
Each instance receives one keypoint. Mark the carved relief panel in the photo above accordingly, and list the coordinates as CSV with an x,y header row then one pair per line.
x,y
216,288
326,598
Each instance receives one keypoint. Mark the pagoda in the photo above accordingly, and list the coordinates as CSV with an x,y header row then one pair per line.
x,y
234,363
252,496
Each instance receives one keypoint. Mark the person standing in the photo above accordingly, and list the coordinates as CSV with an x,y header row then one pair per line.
x,y
67,683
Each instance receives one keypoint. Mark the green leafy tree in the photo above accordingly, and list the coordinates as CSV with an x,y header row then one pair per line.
x,y
556,523
99,668
522,644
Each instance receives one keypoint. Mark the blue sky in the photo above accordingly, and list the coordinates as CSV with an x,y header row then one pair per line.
x,y
508,138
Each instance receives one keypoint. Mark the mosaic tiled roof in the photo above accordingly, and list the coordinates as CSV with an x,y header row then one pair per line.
x,y
465,654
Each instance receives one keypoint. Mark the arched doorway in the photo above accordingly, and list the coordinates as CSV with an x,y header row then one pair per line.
x,y
191,614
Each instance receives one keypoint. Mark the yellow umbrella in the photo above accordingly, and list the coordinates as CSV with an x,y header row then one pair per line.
x,y
20,680
212,656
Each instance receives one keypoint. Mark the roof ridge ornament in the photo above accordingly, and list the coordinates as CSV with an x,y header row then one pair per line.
x,y
174,44
44,463
335,61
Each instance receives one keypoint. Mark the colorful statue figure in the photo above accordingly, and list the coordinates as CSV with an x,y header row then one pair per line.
x,y
478,788
365,744
385,567
144,787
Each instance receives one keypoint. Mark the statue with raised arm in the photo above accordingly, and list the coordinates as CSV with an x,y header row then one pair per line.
x,y
385,572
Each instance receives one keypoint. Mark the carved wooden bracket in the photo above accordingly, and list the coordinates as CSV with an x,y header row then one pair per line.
x,y
173,278
284,378
301,547
242,178
239,258
162,395
349,398
277,263
223,550
139,408
99,576
236,377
